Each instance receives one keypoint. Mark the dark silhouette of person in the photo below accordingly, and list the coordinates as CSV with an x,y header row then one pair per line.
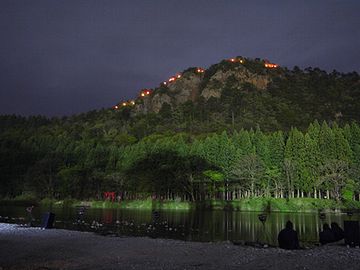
x,y
288,237
337,232
30,215
326,236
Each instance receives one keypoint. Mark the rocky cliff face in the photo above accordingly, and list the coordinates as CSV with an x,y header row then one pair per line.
x,y
183,89
238,76
194,84
186,88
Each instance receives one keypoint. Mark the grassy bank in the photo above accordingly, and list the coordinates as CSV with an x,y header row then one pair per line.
x,y
253,204
283,205
133,204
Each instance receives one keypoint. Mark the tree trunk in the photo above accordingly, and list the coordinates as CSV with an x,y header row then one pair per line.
x,y
233,119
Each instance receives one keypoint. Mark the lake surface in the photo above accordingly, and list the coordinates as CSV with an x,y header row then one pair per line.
x,y
204,226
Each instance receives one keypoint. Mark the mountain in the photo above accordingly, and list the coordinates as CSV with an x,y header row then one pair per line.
x,y
247,126
243,92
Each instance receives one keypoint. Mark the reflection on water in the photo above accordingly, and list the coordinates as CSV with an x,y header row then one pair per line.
x,y
184,225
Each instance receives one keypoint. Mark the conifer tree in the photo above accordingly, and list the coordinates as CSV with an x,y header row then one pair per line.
x,y
327,143
275,170
295,153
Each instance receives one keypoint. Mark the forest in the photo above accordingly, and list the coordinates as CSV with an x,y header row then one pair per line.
x,y
298,138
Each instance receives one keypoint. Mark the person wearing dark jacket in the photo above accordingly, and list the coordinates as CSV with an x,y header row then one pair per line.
x,y
337,231
326,236
288,238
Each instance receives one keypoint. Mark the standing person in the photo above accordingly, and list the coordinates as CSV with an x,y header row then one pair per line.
x,y
326,236
288,237
30,215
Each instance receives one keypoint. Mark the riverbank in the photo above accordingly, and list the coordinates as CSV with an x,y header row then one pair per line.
x,y
32,248
259,204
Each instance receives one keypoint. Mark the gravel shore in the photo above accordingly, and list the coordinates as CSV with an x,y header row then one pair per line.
x,y
33,248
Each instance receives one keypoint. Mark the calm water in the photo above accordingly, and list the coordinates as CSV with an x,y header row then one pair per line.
x,y
209,226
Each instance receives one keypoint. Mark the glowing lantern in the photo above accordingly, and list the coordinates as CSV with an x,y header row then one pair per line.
x,y
233,60
124,103
116,107
164,83
270,65
172,79
145,92
178,76
132,102
200,70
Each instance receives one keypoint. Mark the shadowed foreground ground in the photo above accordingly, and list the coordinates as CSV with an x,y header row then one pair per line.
x,y
32,248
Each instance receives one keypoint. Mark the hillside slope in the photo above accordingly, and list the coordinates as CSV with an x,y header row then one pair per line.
x,y
202,126
246,93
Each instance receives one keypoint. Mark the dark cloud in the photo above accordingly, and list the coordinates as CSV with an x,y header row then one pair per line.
x,y
63,57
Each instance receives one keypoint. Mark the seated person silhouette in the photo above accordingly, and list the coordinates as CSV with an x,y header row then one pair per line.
x,y
288,238
326,236
337,232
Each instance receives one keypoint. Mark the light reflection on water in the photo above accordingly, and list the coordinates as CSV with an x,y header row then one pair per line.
x,y
193,225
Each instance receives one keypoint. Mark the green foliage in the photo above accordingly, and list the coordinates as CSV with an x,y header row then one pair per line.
x,y
249,141
214,176
348,191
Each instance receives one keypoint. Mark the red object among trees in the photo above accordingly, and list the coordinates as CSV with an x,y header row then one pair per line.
x,y
109,195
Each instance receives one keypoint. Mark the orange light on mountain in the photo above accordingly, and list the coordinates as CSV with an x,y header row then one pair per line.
x,y
267,64
145,92
178,76
132,102
233,60
116,107
124,103
172,79
270,65
200,70
164,83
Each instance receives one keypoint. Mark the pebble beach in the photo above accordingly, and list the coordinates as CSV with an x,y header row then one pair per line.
x,y
34,248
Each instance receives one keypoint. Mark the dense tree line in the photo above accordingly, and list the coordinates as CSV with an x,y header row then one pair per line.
x,y
242,144
60,160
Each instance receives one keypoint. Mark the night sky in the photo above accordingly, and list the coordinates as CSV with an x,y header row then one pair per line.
x,y
65,57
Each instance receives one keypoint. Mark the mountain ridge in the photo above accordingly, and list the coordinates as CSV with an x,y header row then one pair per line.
x,y
196,82
255,88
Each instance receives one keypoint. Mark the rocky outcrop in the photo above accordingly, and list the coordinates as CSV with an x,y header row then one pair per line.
x,y
185,88
238,77
193,84
181,90
158,100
